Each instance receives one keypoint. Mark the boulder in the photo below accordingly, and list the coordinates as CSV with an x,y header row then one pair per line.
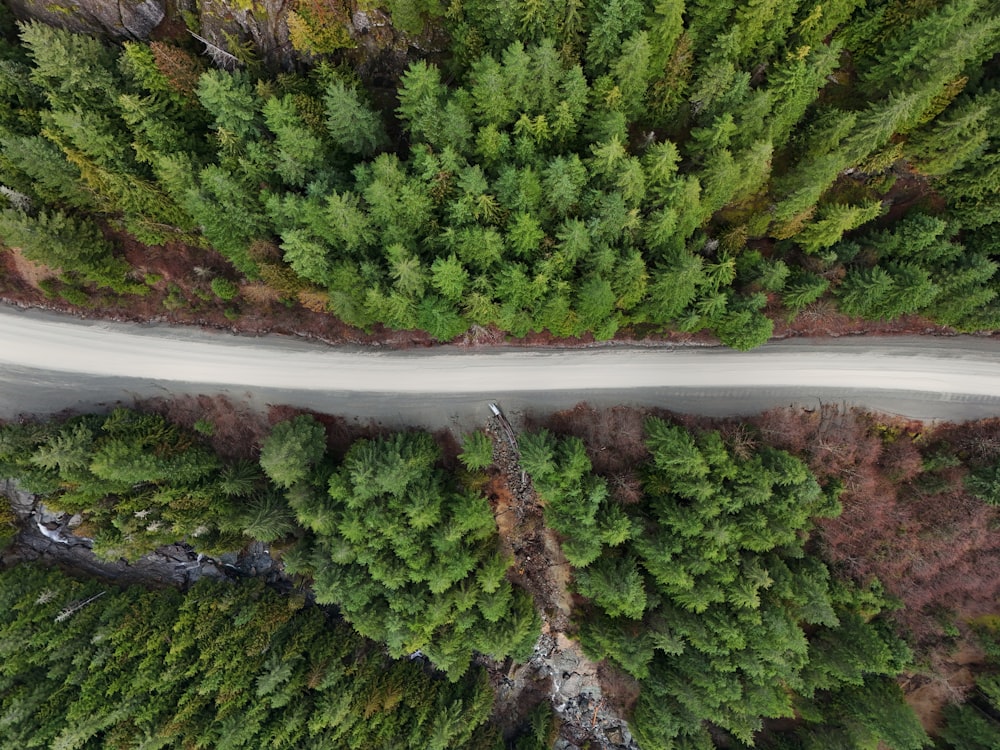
x,y
115,19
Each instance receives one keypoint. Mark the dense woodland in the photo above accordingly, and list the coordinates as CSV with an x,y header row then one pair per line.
x,y
86,665
409,555
715,585
576,167
563,166
704,593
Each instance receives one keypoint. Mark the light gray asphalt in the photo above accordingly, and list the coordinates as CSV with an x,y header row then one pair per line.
x,y
49,363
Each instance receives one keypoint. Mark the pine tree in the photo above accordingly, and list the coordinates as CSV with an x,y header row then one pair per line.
x,y
352,124
292,450
63,241
795,85
299,154
835,219
231,100
615,585
610,23
954,139
75,71
477,451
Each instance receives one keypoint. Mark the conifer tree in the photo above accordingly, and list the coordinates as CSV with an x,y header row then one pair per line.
x,y
410,559
292,450
225,665
833,221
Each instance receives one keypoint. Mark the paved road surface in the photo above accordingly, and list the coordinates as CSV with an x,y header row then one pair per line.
x,y
50,362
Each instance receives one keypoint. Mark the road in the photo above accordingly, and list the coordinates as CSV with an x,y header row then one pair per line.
x,y
50,362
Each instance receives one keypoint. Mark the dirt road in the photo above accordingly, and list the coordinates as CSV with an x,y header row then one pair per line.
x,y
50,362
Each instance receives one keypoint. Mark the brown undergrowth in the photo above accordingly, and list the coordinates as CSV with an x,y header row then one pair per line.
x,y
179,279
589,699
907,519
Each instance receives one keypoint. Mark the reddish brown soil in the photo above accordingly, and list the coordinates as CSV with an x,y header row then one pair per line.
x,y
32,274
933,546
181,293
180,278
949,682
539,565
236,430
822,319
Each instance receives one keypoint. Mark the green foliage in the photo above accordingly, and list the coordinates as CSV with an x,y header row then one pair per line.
x,y
615,585
552,176
477,451
8,526
411,559
292,450
351,124
137,479
920,269
537,734
833,221
707,597
803,290
224,665
973,724
317,28
872,714
141,482
64,242
574,499
224,289
73,70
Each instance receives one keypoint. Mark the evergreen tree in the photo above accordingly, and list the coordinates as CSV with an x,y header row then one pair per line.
x,y
410,559
833,221
707,598
65,242
351,124
75,71
223,665
973,724
292,450
477,451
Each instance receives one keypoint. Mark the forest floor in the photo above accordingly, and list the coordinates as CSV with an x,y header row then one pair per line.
x,y
179,279
588,700
935,551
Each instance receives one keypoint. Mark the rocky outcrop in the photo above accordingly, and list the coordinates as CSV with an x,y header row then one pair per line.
x,y
115,19
263,25
48,537
577,698
558,668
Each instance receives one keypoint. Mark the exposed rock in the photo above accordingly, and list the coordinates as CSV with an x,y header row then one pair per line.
x,y
47,537
139,19
571,688
115,19
22,502
48,517
361,20
558,668
265,25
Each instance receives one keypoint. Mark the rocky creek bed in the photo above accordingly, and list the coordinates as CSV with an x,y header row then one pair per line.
x,y
558,671
48,537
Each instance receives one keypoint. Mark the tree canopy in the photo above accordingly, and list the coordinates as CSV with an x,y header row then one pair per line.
x,y
704,592
570,169
223,665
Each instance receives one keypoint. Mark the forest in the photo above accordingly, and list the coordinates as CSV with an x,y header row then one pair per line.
x,y
707,570
567,167
575,170
221,666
